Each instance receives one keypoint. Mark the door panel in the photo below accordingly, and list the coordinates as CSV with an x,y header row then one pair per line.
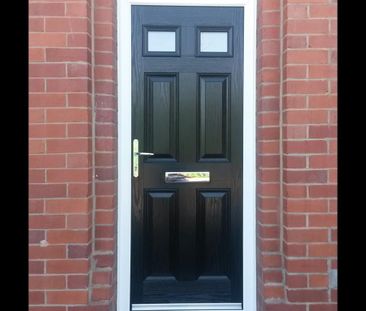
x,y
214,117
161,113
186,242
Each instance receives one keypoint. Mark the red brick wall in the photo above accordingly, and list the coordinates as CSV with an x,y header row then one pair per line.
x,y
72,155
297,169
73,160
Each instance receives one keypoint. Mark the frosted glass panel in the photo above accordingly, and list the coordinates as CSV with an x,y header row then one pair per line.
x,y
214,41
161,41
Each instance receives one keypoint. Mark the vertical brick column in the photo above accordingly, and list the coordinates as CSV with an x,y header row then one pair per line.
x,y
270,273
60,160
309,153
105,81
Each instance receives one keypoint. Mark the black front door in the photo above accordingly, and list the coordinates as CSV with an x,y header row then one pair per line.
x,y
187,97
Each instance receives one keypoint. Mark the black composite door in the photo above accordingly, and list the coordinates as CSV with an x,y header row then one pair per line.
x,y
187,98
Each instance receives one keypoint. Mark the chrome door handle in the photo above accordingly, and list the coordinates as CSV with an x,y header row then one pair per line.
x,y
135,157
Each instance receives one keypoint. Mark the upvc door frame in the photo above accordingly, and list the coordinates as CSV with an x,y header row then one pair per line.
x,y
125,143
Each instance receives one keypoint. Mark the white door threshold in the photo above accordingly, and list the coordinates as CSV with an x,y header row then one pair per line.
x,y
187,306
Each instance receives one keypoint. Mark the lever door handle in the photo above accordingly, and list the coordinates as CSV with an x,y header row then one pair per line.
x,y
136,158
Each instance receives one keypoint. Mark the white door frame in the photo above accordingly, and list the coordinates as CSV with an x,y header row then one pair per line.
x,y
124,145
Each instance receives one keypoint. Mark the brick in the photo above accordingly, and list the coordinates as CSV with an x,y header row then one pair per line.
x,y
36,176
295,71
323,250
68,175
323,11
77,9
78,40
103,15
323,41
47,130
102,293
296,11
104,261
47,252
294,220
36,116
323,307
294,161
306,87
105,159
327,220
306,57
301,147
68,146
35,236
47,282
35,24
67,25
71,297
36,266
102,277
36,54
79,190
102,232
47,308
322,101
270,18
67,55
305,176
295,191
79,251
36,85
78,70
46,9
47,191
318,281
306,235
285,307
80,160
323,72
271,261
294,101
105,73
47,161
36,146
46,221
47,39
323,191
104,58
79,100
323,131
106,202
79,130
105,245
323,161
105,44
103,30
296,281
307,26
306,265
79,221
68,236
68,85
90,308
69,266
36,297
77,281
295,250
47,100
307,295
68,206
